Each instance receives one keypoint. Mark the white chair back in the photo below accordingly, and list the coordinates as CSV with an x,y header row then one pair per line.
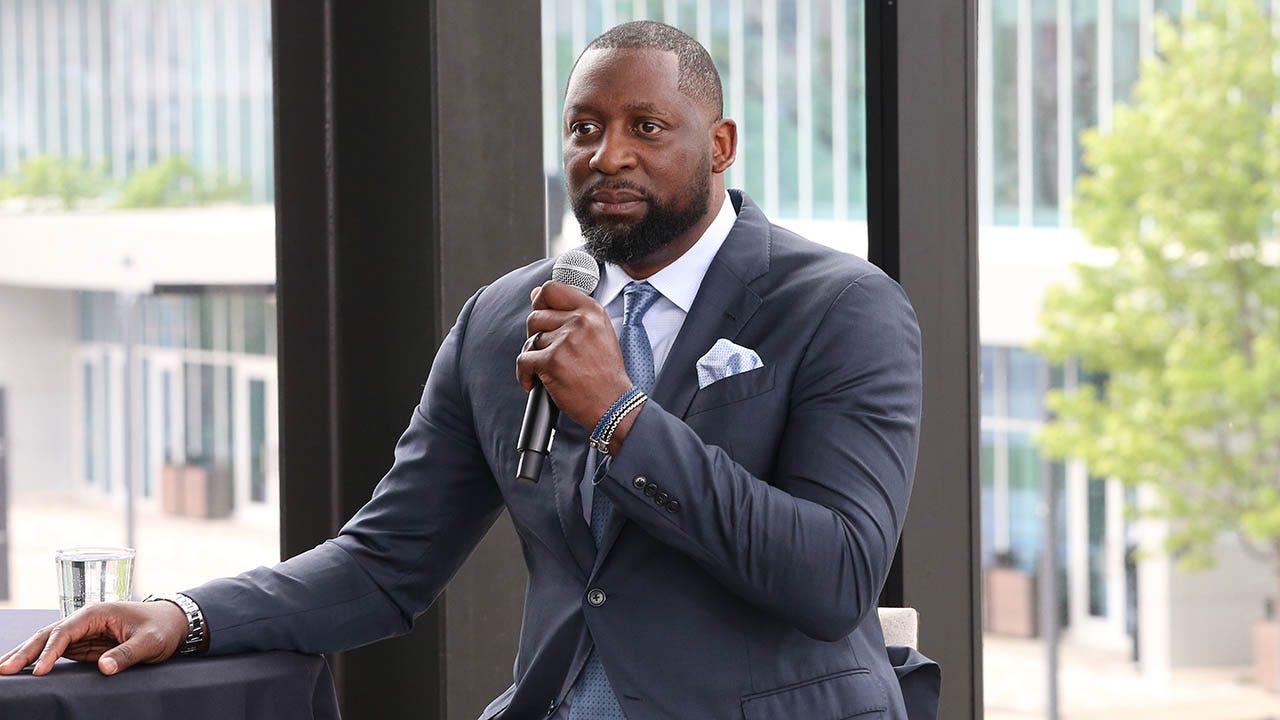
x,y
901,626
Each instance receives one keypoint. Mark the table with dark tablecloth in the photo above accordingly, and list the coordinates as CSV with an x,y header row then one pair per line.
x,y
269,685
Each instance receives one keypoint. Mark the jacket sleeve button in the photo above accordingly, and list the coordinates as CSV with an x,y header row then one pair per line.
x,y
640,482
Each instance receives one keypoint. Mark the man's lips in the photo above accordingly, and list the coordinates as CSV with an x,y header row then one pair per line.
x,y
616,202
616,197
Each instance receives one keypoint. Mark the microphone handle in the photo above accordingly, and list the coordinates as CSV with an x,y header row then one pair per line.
x,y
536,431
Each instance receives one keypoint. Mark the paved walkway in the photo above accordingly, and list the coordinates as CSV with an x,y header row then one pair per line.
x,y
174,553
1101,685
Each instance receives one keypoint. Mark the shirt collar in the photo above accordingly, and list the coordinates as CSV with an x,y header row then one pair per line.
x,y
679,281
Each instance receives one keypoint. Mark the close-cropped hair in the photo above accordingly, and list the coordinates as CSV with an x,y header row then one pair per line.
x,y
698,77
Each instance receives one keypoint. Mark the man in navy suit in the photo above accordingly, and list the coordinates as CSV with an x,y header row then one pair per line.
x,y
752,403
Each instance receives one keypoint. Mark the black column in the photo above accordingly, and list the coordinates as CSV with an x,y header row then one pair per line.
x,y
923,231
408,161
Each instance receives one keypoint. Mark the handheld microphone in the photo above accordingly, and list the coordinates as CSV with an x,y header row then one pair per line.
x,y
578,269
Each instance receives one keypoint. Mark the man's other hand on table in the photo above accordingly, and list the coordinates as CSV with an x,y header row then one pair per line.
x,y
114,635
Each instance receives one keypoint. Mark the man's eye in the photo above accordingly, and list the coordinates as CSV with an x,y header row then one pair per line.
x,y
583,128
649,128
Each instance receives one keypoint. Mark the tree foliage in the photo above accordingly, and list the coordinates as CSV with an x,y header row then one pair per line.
x,y
174,182
68,183
1183,321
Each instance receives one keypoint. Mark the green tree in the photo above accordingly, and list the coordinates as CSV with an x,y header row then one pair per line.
x,y
175,182
69,180
1182,318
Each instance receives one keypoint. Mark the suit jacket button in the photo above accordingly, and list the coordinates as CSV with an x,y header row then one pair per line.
x,y
596,597
651,489
661,498
673,506
640,482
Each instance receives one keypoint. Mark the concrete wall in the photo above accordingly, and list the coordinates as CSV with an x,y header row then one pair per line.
x,y
37,342
1212,612
1198,618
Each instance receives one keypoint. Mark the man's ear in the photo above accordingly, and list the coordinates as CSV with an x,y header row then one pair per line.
x,y
724,144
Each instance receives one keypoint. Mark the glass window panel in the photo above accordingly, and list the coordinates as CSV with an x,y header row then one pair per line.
x,y
143,126
1004,90
988,380
90,425
257,441
1084,80
1026,385
207,326
1025,530
1097,547
1125,48
255,325
792,74
1044,102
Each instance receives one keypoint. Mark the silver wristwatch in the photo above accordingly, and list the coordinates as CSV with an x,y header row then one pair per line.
x,y
195,640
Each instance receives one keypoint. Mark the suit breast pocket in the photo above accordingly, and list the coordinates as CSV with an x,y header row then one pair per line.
x,y
848,694
732,389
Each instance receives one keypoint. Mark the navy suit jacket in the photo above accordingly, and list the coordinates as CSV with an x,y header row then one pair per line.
x,y
749,594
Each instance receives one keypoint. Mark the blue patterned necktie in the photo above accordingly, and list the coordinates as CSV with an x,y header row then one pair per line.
x,y
592,696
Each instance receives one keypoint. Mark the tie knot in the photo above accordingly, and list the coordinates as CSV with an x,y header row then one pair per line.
x,y
637,298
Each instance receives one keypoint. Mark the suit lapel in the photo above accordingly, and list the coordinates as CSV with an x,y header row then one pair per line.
x,y
567,461
724,304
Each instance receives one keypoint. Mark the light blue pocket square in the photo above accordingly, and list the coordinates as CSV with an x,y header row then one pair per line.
x,y
725,359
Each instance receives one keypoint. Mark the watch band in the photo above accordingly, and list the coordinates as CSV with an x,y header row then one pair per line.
x,y
196,639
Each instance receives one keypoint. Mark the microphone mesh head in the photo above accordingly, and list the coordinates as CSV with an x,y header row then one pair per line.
x,y
576,267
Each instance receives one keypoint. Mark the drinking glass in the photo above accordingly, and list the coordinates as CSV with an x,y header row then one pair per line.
x,y
88,575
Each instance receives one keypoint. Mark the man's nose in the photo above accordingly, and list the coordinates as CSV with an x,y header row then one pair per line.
x,y
615,153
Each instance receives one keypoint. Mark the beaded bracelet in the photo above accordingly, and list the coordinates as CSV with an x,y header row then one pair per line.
x,y
608,425
604,420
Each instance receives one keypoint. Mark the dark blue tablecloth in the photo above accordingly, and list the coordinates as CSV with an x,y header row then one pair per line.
x,y
274,685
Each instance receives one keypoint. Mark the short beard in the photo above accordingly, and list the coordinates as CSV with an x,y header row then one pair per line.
x,y
626,245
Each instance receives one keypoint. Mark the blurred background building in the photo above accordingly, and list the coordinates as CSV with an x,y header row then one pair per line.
x,y
136,182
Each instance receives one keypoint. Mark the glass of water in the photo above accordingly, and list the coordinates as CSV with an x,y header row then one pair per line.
x,y
88,575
